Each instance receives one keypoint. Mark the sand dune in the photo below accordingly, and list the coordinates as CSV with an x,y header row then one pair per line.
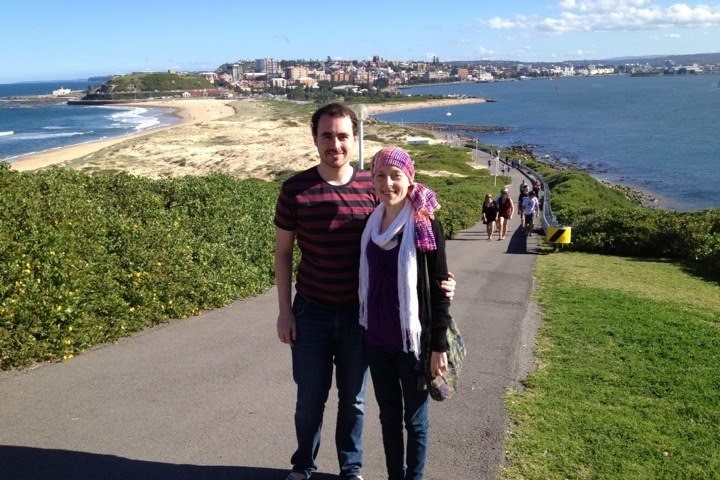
x,y
242,138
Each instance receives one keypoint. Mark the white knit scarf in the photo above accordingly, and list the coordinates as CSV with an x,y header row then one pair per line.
x,y
407,271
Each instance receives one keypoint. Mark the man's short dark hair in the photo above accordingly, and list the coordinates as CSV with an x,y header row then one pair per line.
x,y
333,110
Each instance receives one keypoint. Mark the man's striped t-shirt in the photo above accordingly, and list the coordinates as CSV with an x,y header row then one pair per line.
x,y
328,221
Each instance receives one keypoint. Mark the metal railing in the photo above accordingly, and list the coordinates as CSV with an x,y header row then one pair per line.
x,y
548,219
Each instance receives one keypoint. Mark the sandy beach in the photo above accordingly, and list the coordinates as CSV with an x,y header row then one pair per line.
x,y
243,138
189,111
397,107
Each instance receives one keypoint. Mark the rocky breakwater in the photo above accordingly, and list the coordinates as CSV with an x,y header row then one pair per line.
x,y
456,128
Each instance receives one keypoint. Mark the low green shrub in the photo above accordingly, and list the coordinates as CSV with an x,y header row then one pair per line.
x,y
605,220
610,219
88,259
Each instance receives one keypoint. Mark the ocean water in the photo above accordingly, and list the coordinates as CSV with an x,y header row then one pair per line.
x,y
34,125
657,134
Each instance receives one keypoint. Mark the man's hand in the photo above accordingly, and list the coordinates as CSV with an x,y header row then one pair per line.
x,y
286,328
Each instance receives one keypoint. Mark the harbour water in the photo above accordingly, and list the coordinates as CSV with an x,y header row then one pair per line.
x,y
657,134
33,125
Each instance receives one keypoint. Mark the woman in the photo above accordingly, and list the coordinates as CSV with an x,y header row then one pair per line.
x,y
401,234
489,214
537,188
505,209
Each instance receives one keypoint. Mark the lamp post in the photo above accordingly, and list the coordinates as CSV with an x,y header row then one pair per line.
x,y
362,114
497,161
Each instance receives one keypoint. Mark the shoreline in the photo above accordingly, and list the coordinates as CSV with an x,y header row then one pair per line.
x,y
188,111
403,106
235,136
645,198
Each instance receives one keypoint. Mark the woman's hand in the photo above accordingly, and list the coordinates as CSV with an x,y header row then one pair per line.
x,y
438,363
449,286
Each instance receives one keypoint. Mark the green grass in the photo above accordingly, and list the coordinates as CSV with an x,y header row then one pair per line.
x,y
581,191
627,384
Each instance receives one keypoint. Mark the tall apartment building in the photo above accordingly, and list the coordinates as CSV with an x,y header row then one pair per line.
x,y
360,77
236,70
339,77
269,66
293,73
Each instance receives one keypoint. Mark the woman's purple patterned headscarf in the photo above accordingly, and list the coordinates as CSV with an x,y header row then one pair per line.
x,y
423,200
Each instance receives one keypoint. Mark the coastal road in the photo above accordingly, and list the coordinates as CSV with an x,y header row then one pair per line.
x,y
212,397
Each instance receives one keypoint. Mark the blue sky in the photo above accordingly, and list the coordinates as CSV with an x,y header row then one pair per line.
x,y
73,39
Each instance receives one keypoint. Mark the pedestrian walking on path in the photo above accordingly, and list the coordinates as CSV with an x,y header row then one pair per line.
x,y
489,215
506,208
523,193
531,209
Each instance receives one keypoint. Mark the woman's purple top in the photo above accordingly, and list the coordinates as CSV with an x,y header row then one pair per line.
x,y
383,311
383,330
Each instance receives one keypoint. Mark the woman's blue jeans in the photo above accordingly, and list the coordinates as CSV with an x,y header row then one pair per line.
x,y
395,379
327,336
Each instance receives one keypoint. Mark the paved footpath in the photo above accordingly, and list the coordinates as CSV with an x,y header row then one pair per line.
x,y
212,397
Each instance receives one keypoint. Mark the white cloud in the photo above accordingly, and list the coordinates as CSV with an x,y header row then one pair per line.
x,y
503,23
612,15
600,6
484,51
673,35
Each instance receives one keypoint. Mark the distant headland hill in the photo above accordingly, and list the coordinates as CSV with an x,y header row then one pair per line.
x,y
143,85
655,60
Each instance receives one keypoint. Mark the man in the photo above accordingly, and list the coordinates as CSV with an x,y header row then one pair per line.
x,y
325,209
524,191
531,210
523,185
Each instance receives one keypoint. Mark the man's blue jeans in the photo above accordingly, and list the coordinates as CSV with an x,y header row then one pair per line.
x,y
325,336
395,379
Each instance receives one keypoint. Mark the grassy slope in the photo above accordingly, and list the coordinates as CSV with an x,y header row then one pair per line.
x,y
627,384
